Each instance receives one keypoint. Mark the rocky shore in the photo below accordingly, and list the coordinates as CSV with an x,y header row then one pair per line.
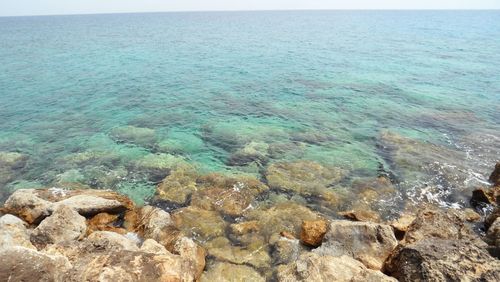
x,y
204,228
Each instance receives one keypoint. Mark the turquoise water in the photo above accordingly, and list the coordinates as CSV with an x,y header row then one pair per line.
x,y
113,100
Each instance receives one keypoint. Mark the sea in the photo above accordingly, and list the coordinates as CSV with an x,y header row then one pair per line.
x,y
115,101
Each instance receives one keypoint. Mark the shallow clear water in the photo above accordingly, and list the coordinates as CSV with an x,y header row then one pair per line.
x,y
319,86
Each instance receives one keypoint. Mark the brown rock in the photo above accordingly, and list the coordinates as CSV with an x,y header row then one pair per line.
x,y
193,254
313,232
401,225
244,227
25,204
255,254
28,265
495,175
111,241
482,196
65,224
436,259
367,242
104,222
178,186
361,215
199,223
313,267
13,232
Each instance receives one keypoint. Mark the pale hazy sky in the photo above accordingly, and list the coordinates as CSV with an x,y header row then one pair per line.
x,y
50,7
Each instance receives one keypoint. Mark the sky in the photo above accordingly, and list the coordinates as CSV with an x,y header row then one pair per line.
x,y
57,7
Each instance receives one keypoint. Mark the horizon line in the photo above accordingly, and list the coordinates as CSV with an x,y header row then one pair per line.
x,y
255,10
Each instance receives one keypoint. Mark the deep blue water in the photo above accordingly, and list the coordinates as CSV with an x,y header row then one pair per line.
x,y
319,86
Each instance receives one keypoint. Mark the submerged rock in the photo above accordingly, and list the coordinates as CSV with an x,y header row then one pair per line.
x,y
303,177
178,186
144,137
199,223
255,254
12,160
313,267
251,152
228,272
287,216
228,195
367,242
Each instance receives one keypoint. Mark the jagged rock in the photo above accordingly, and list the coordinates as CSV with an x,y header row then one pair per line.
x,y
284,250
65,224
90,205
313,231
303,177
367,242
256,254
193,254
439,224
33,205
435,259
199,223
111,241
495,175
482,196
228,272
178,186
492,217
361,215
25,204
151,246
470,215
130,266
313,267
25,264
153,222
104,222
13,232
493,234
402,224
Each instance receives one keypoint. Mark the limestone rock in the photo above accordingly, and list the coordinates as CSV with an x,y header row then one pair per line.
x,y
25,204
130,266
91,205
228,272
402,224
313,231
104,222
436,259
151,246
13,232
25,264
111,241
367,242
313,267
439,224
65,224
193,254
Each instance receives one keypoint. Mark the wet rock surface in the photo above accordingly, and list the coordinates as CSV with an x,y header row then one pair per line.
x,y
240,228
